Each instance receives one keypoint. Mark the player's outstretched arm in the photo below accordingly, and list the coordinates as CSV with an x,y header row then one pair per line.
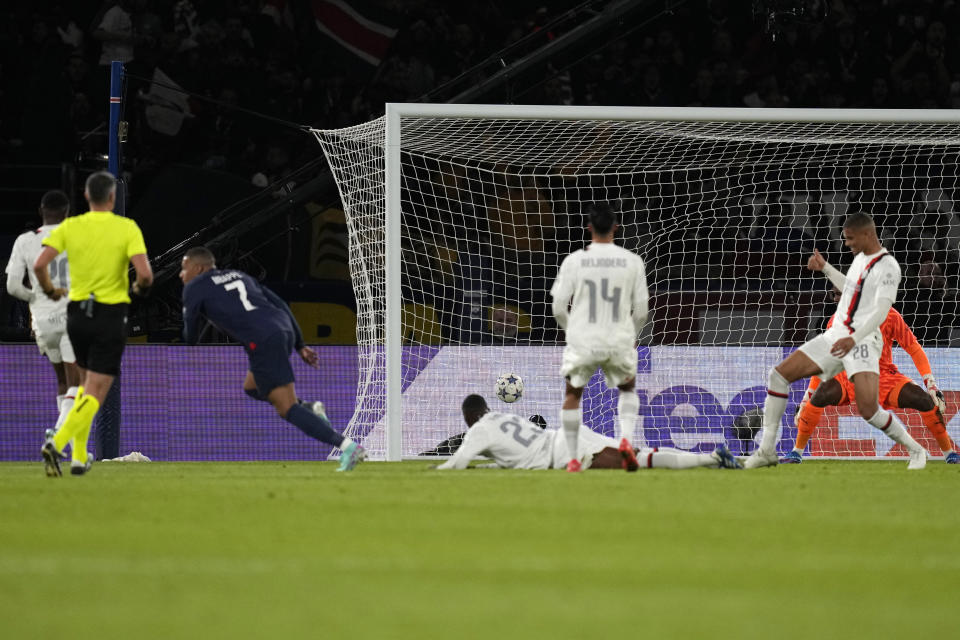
x,y
471,448
906,339
817,262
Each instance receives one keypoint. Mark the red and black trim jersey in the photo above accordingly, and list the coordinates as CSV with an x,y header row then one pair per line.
x,y
858,292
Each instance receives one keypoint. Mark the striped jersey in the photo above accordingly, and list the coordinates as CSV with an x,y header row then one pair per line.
x,y
870,279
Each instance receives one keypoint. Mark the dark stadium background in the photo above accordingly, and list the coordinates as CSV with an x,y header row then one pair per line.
x,y
257,68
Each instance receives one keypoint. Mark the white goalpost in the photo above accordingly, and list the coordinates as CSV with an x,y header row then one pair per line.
x,y
459,215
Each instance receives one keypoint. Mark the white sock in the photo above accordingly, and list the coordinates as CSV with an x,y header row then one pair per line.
x,y
627,408
887,422
669,458
66,403
776,403
570,419
346,443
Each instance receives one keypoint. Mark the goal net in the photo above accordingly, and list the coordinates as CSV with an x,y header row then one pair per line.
x,y
459,215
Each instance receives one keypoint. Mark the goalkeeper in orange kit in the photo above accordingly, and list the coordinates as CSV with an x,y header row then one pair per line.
x,y
897,391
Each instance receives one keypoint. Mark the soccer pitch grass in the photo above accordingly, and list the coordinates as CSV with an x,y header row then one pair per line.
x,y
284,550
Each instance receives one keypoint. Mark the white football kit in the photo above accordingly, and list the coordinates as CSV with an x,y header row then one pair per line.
x,y
513,442
608,287
509,440
869,289
48,317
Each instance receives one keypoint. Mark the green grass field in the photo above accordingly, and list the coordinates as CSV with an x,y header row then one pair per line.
x,y
288,550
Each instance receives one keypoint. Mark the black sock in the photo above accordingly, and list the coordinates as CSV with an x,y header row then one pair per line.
x,y
313,425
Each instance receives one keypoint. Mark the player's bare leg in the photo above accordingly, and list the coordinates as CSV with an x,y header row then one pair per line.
x,y
627,407
795,366
828,394
913,396
866,386
570,419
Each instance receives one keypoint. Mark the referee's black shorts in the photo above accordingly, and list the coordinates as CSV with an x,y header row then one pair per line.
x,y
98,333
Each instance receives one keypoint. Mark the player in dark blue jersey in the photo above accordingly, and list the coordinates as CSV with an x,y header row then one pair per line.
x,y
265,326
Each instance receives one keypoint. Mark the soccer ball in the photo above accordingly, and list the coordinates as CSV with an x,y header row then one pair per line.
x,y
509,387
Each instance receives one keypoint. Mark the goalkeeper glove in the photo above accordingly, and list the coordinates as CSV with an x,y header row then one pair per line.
x,y
935,394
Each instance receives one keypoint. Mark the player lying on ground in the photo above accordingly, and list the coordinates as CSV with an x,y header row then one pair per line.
x,y
600,300
897,391
263,323
853,344
48,318
513,442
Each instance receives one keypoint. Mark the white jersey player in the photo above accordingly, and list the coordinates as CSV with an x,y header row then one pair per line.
x,y
513,442
48,317
600,299
853,343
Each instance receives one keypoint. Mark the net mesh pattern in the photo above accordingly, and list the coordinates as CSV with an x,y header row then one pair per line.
x,y
724,214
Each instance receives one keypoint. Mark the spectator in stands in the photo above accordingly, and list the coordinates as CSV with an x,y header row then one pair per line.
x,y
504,323
113,28
929,302
520,218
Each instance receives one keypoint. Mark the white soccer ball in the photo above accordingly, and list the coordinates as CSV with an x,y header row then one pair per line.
x,y
509,387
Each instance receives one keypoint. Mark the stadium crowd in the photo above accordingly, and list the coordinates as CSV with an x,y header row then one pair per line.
x,y
269,56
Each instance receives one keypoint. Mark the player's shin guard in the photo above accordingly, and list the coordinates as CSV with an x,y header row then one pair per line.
x,y
807,422
933,420
776,403
77,425
66,403
887,422
627,408
312,425
570,419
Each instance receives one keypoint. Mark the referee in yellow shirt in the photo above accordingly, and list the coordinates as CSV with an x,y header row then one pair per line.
x,y
100,245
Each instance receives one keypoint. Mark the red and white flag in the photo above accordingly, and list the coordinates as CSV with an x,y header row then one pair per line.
x,y
363,36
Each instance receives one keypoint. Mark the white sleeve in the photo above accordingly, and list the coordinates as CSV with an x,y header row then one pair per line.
x,y
885,295
474,444
562,291
641,299
889,283
833,274
16,269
